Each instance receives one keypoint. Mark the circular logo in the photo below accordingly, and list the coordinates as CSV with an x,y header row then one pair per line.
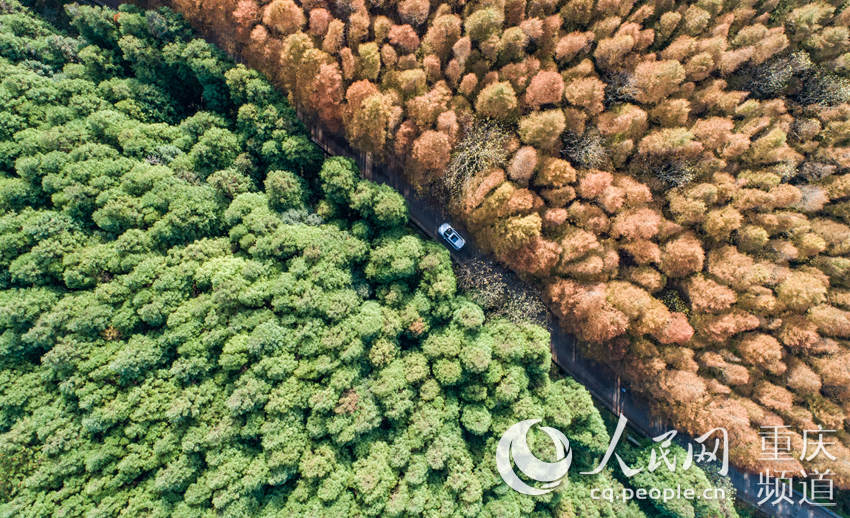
x,y
514,444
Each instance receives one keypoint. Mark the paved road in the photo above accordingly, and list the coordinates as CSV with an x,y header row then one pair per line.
x,y
603,384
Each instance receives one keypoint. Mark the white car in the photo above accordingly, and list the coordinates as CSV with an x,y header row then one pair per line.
x,y
449,234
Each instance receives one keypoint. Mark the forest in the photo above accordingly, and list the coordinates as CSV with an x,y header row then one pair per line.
x,y
202,314
674,175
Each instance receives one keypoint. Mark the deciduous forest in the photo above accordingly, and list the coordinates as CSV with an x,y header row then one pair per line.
x,y
201,314
673,174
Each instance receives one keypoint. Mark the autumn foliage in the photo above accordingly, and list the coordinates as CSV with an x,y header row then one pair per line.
x,y
678,180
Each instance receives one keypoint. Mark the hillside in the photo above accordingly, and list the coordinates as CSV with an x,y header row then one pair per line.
x,y
200,314
673,174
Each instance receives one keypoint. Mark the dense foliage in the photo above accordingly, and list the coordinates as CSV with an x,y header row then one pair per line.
x,y
676,173
198,314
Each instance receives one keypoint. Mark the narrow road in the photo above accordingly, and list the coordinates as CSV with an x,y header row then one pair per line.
x,y
602,383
